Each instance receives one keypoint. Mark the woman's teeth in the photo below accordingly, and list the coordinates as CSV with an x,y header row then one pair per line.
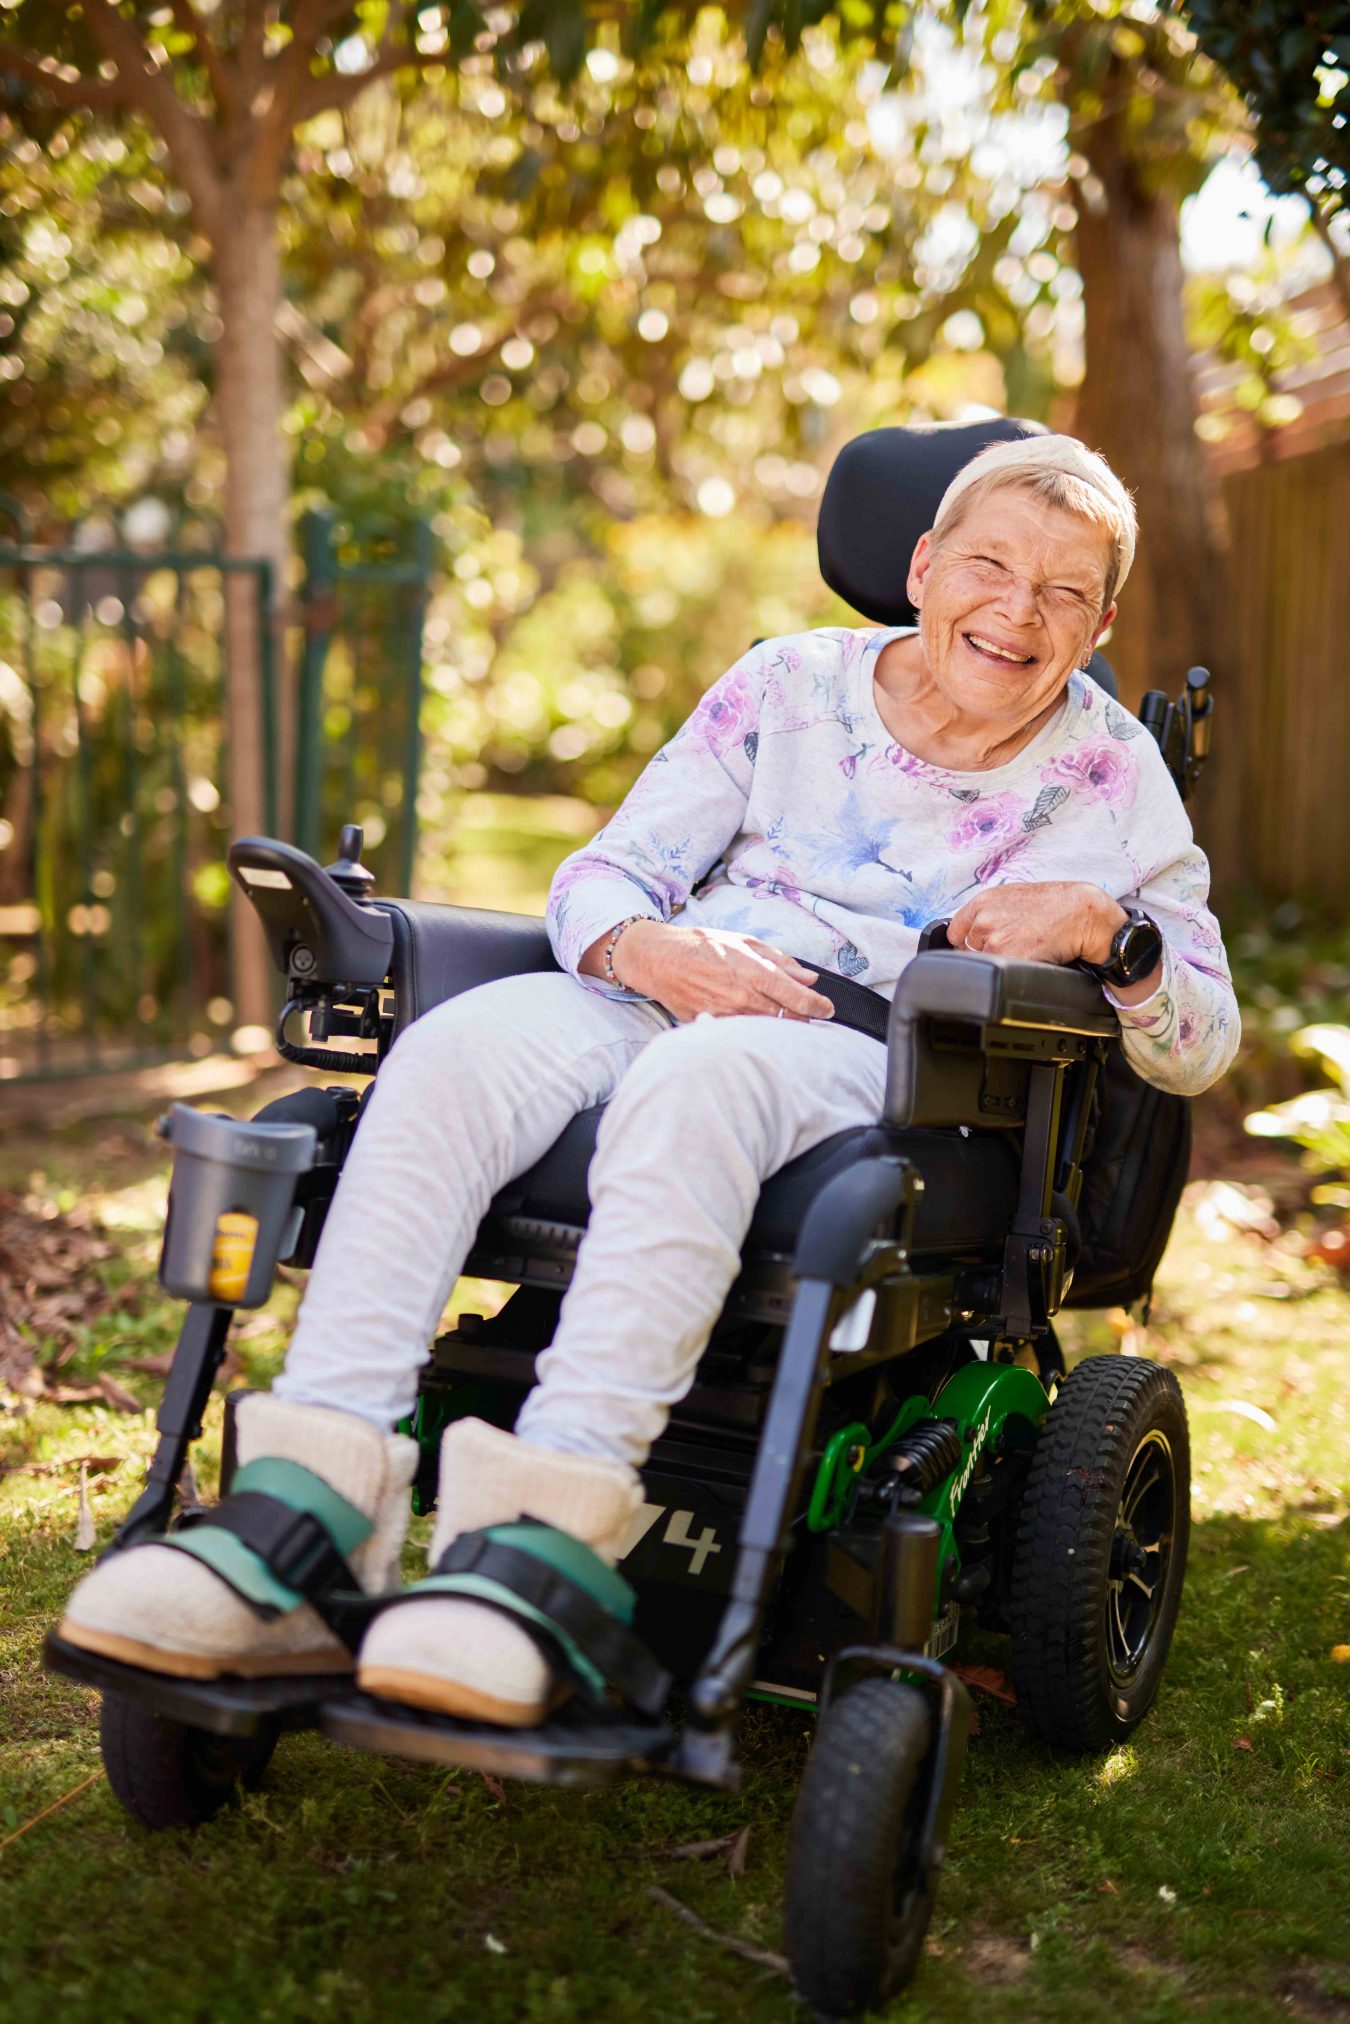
x,y
1000,653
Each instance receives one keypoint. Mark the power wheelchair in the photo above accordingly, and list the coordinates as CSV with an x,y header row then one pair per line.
x,y
880,1441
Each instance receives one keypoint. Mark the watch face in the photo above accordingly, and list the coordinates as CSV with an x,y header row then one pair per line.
x,y
1138,947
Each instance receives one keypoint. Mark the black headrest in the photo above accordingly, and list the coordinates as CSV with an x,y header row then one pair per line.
x,y
882,493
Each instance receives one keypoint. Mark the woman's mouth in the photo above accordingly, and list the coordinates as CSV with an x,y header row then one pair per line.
x,y
990,650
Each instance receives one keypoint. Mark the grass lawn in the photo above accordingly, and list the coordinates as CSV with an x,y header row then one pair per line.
x,y
1200,1872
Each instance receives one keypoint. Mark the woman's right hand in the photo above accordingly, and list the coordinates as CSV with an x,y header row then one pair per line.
x,y
692,970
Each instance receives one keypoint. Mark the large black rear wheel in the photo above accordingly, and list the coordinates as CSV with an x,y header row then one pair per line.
x,y
167,1774
857,1902
1101,1553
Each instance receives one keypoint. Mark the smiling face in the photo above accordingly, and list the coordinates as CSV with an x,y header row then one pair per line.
x,y
1010,601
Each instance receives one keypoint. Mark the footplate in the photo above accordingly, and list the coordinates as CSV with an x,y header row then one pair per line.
x,y
224,1707
578,1745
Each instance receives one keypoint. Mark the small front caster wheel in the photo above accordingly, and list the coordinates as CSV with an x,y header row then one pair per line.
x,y
857,1900
1101,1553
167,1774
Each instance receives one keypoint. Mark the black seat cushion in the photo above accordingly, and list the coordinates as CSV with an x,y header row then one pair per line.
x,y
969,1195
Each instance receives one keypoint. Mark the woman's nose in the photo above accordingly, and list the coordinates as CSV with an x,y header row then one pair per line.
x,y
1017,598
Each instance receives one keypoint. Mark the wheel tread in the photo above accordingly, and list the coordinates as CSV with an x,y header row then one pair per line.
x,y
850,1814
1063,1549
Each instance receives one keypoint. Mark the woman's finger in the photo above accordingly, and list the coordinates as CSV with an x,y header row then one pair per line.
x,y
796,1000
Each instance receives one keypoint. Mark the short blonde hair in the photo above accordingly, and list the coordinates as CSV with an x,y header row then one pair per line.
x,y
1064,473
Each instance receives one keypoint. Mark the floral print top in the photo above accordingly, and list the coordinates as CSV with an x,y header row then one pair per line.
x,y
785,809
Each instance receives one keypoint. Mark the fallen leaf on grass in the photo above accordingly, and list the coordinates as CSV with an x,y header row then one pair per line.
x,y
1242,1743
988,1680
740,1841
1106,1888
494,1785
97,1465
50,1288
490,1940
152,1366
104,1391
1341,1654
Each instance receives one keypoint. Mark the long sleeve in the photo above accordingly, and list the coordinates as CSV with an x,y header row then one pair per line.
x,y
1185,1035
675,823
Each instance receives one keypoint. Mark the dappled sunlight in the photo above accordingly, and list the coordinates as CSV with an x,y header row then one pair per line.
x,y
1122,1765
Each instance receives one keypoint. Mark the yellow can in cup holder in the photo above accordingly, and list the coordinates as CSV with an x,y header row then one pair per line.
x,y
232,1203
232,1251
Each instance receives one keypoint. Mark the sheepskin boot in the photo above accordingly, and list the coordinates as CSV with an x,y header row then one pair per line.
x,y
461,1657
159,1607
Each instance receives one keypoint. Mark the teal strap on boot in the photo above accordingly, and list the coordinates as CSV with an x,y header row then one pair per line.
x,y
280,1538
573,1603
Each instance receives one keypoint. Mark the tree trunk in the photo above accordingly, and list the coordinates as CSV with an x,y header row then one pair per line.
x,y
248,415
1137,406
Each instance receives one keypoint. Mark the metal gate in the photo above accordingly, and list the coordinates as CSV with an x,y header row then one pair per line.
x,y
114,894
358,744
113,888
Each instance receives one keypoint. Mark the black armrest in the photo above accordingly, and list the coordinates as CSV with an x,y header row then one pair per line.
x,y
441,950
316,933
965,1028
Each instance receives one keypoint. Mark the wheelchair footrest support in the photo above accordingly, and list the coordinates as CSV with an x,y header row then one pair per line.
x,y
577,1745
225,1707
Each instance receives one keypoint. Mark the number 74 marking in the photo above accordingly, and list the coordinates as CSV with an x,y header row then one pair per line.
x,y
677,1534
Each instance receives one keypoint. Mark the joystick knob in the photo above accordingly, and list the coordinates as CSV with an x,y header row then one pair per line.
x,y
347,871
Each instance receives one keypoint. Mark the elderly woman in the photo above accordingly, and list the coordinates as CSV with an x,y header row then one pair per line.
x,y
831,794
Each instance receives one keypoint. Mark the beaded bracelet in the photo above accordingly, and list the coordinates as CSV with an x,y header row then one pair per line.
x,y
612,943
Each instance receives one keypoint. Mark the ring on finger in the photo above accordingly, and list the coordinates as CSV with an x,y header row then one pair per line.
x,y
780,1012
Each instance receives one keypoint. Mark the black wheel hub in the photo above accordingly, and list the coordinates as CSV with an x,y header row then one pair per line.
x,y
1141,1552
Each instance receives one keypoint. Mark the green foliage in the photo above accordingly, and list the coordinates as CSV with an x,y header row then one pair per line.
x,y
1290,970
1316,1119
1292,66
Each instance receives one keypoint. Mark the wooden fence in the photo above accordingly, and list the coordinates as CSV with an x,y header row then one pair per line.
x,y
1274,809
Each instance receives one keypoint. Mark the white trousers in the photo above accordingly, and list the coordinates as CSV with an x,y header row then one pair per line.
x,y
473,1094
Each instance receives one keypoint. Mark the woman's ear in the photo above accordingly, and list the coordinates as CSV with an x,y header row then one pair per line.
x,y
1106,620
920,563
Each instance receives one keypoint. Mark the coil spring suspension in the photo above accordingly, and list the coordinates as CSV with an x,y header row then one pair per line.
x,y
922,1457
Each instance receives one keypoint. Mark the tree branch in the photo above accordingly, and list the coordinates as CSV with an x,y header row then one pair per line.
x,y
224,83
334,93
299,97
1340,268
151,93
252,60
290,70
94,94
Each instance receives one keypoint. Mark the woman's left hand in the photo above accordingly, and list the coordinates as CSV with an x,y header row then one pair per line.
x,y
1054,921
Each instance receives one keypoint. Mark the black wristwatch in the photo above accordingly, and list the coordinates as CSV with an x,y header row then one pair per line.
x,y
1136,947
